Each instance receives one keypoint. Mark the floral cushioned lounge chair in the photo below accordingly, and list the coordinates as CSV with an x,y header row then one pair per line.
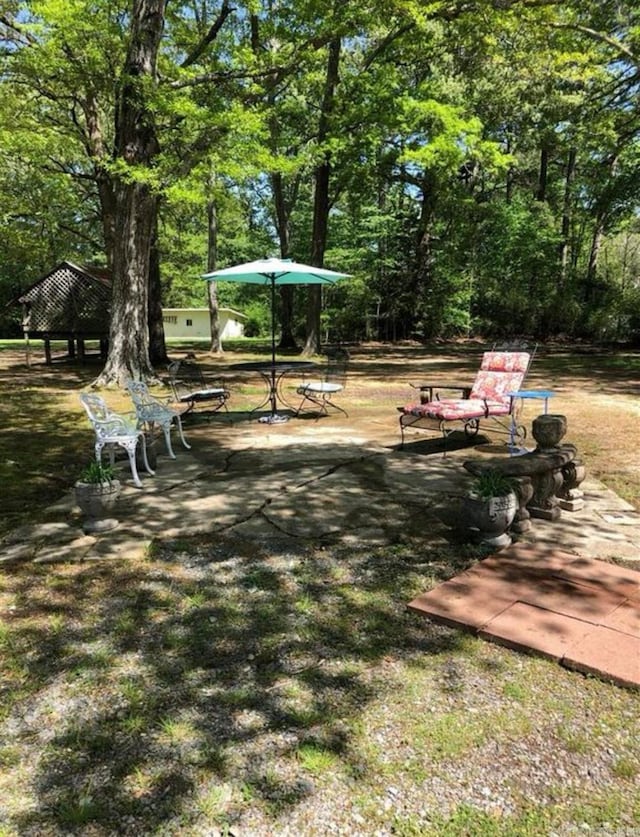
x,y
500,373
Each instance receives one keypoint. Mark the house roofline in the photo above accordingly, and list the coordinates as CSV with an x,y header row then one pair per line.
x,y
222,308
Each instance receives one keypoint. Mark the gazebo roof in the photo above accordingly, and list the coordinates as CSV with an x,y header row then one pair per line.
x,y
69,300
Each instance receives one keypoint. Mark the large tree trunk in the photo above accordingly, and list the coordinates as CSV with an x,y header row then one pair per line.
x,y
136,145
318,244
99,154
566,218
212,289
282,207
282,215
321,203
157,344
107,198
129,333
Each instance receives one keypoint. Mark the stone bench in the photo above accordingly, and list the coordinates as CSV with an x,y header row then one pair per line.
x,y
547,479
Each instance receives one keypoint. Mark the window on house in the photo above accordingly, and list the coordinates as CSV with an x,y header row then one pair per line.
x,y
189,322
169,318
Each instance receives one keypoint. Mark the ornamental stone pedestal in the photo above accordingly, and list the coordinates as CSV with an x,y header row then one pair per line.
x,y
548,431
570,497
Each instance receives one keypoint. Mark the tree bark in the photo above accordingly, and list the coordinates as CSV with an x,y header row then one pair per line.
x,y
282,217
282,210
566,217
136,146
212,289
157,344
98,154
321,203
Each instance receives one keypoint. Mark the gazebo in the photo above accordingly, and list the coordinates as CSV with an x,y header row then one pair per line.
x,y
70,303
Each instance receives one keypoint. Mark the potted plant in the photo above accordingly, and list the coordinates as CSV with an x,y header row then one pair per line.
x,y
97,491
490,507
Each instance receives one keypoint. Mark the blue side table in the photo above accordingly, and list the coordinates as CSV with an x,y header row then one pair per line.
x,y
525,395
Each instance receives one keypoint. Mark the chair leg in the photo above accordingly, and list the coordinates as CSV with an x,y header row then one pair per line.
x,y
98,448
184,441
166,429
321,407
143,440
130,447
330,403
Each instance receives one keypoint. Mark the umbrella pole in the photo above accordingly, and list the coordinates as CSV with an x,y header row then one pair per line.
x,y
273,344
273,417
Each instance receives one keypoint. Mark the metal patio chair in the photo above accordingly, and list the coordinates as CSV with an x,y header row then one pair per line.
x,y
490,398
321,392
190,387
151,411
115,430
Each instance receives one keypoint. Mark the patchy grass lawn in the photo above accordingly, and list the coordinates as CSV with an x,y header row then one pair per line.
x,y
290,692
220,687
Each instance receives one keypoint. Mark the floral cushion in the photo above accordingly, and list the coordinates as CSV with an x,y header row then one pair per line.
x,y
500,373
506,361
460,409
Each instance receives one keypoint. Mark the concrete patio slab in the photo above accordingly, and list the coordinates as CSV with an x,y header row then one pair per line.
x,y
468,603
625,619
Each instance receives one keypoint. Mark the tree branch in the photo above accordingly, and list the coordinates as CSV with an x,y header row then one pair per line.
x,y
211,35
228,75
12,26
609,40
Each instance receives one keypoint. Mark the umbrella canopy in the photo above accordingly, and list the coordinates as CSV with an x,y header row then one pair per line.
x,y
275,272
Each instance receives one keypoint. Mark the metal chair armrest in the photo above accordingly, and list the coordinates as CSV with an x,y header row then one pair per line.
x,y
115,422
431,392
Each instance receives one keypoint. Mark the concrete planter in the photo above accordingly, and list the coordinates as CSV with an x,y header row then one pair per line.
x,y
96,501
489,518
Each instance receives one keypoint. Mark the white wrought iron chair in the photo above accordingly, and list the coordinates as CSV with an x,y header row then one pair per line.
x,y
320,392
113,429
151,411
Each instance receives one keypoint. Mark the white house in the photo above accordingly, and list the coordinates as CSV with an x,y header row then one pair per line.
x,y
183,323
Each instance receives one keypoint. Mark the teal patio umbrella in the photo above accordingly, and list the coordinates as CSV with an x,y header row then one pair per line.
x,y
273,273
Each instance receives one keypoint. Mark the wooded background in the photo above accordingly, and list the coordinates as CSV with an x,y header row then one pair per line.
x,y
474,165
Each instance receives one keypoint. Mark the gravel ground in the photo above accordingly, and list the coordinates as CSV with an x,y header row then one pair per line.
x,y
239,689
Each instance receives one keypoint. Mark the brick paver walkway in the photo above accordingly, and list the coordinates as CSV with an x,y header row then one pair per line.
x,y
582,612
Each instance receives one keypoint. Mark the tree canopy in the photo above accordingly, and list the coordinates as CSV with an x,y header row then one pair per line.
x,y
474,166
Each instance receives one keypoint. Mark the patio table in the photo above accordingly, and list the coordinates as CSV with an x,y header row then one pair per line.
x,y
273,374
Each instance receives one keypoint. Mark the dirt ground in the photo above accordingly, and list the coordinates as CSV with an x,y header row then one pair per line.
x,y
45,438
